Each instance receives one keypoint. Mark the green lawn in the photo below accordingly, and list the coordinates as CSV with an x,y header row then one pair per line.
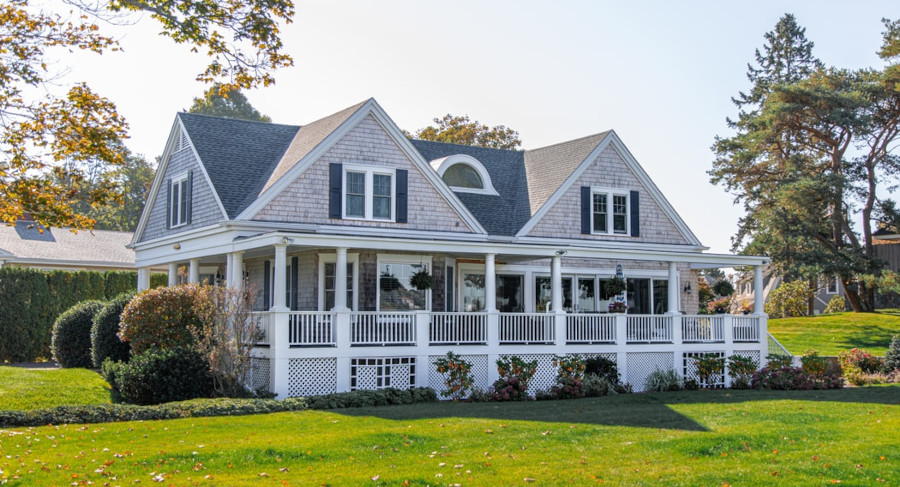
x,y
832,333
24,389
686,438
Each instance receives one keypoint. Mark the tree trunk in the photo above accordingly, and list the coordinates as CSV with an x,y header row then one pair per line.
x,y
811,302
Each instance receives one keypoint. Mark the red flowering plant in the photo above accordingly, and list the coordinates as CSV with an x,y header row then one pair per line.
x,y
569,377
515,374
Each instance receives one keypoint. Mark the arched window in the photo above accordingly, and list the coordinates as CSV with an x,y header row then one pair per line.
x,y
462,175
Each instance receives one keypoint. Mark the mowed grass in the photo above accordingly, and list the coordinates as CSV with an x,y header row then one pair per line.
x,y
24,389
833,333
686,438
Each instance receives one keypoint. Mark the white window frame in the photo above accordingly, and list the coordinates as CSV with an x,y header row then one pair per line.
x,y
610,219
401,259
441,165
332,259
369,195
828,281
180,182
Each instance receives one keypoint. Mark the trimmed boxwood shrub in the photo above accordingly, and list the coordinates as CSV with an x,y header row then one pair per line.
x,y
381,397
160,318
158,376
105,341
71,342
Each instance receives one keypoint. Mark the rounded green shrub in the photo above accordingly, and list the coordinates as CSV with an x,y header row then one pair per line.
x,y
71,339
105,341
837,304
160,318
158,376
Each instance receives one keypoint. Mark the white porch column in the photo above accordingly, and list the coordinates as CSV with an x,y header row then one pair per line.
x,y
674,289
490,283
237,270
229,269
556,298
143,278
280,277
340,280
759,300
194,276
173,274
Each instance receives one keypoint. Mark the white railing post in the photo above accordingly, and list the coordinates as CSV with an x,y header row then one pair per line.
x,y
493,341
559,323
677,337
423,325
342,324
677,341
622,345
279,349
763,325
728,336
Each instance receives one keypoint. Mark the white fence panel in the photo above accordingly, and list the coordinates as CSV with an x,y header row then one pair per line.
x,y
649,329
746,329
368,328
527,328
311,328
702,328
591,328
457,328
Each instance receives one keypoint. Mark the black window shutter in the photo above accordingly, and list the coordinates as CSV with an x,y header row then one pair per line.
x,y
402,195
635,214
190,196
586,209
335,178
168,204
295,267
267,284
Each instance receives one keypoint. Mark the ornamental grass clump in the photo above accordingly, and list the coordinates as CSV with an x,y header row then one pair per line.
x,y
663,381
515,374
458,380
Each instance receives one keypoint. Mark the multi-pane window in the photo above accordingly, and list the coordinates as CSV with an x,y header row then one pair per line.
x,y
620,213
330,283
368,193
600,213
381,196
395,293
356,194
609,212
179,201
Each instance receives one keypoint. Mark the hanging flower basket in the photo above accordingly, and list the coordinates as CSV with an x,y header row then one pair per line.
x,y
422,280
614,286
617,307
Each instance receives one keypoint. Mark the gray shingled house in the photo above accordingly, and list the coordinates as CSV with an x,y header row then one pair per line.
x,y
331,221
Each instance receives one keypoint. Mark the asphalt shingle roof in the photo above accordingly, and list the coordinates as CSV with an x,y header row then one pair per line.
x,y
24,241
548,167
237,153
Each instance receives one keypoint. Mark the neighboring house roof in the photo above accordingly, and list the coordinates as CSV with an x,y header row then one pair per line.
x,y
245,153
25,244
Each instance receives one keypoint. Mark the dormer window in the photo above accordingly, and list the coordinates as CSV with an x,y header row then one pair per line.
x,y
368,192
464,174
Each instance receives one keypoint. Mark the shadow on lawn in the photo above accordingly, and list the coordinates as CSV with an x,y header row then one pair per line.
x,y
638,410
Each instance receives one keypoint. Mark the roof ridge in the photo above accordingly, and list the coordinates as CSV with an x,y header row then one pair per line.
x,y
468,146
604,133
241,120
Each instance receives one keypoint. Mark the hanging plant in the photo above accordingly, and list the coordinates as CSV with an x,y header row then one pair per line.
x,y
614,286
422,280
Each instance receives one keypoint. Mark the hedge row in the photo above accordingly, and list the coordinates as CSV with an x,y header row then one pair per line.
x,y
107,413
33,299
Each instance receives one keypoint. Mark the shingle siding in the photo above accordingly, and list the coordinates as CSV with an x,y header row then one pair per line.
x,y
205,211
306,199
563,219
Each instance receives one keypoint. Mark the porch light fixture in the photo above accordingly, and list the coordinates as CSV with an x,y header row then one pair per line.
x,y
177,246
287,240
561,252
687,289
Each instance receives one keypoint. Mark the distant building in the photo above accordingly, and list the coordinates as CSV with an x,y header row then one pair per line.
x,y
28,244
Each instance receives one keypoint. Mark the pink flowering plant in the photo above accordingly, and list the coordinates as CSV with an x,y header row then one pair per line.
x,y
569,377
515,374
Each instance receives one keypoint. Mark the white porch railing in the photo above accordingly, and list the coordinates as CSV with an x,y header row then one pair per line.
x,y
527,328
775,347
263,325
649,329
374,328
703,328
457,329
745,328
590,328
311,328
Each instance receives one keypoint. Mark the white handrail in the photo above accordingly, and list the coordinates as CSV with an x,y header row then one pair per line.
x,y
368,328
457,328
649,328
591,328
527,328
311,328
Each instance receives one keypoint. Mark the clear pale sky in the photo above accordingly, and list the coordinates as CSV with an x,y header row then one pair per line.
x,y
661,74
